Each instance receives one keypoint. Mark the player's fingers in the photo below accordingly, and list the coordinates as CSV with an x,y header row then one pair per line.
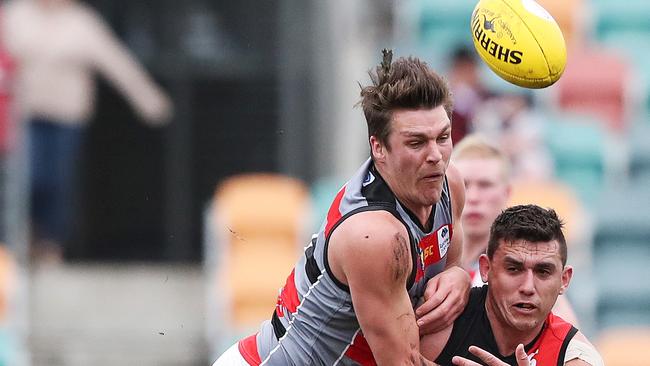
x,y
462,361
430,305
439,318
486,356
432,322
432,287
522,357
432,299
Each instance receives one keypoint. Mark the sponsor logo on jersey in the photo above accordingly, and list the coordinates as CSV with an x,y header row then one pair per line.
x,y
434,247
444,239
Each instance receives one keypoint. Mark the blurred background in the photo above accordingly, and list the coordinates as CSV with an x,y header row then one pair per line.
x,y
213,150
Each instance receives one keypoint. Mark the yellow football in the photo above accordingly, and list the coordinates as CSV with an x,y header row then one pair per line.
x,y
520,41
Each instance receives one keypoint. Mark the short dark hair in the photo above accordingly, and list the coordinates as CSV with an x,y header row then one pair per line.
x,y
406,83
527,222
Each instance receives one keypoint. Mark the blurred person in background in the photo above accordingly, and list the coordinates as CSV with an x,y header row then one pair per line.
x,y
58,45
509,321
486,172
384,267
510,119
467,88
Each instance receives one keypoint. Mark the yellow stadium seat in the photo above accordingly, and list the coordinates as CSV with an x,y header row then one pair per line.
x,y
624,346
7,280
256,228
555,195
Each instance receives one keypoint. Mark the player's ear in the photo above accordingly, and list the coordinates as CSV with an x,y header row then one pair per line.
x,y
378,149
484,266
567,273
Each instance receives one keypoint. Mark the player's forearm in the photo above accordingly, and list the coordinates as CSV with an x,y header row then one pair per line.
x,y
390,346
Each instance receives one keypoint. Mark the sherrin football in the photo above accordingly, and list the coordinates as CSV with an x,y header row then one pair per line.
x,y
520,41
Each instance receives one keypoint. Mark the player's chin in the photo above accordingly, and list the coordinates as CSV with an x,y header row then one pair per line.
x,y
431,196
526,323
431,187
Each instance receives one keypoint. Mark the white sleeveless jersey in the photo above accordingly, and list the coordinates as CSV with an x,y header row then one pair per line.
x,y
314,321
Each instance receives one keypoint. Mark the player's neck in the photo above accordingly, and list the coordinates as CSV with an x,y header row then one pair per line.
x,y
421,212
507,338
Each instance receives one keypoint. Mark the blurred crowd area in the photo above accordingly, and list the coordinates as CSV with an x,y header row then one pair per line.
x,y
260,132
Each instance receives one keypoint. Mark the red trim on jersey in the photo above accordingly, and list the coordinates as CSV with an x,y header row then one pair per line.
x,y
472,274
548,347
359,351
248,350
288,298
419,272
334,214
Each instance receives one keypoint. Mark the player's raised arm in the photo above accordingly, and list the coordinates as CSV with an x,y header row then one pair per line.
x,y
371,254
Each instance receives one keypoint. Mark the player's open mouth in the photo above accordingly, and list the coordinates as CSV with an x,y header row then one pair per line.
x,y
525,306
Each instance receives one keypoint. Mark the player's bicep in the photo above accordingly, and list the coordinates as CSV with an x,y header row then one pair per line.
x,y
377,275
376,263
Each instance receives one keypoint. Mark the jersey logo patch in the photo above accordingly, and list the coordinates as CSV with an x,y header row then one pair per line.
x,y
444,240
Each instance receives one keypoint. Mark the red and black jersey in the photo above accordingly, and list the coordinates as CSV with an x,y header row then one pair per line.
x,y
472,328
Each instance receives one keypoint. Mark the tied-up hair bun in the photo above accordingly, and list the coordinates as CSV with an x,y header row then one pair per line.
x,y
386,62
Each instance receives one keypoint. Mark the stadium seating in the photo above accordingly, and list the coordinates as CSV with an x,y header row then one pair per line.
x,y
556,195
569,15
596,82
577,144
438,27
612,16
254,231
621,252
639,153
624,346
635,48
8,282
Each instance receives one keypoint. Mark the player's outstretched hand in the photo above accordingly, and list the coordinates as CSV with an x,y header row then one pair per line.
x,y
444,299
490,359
